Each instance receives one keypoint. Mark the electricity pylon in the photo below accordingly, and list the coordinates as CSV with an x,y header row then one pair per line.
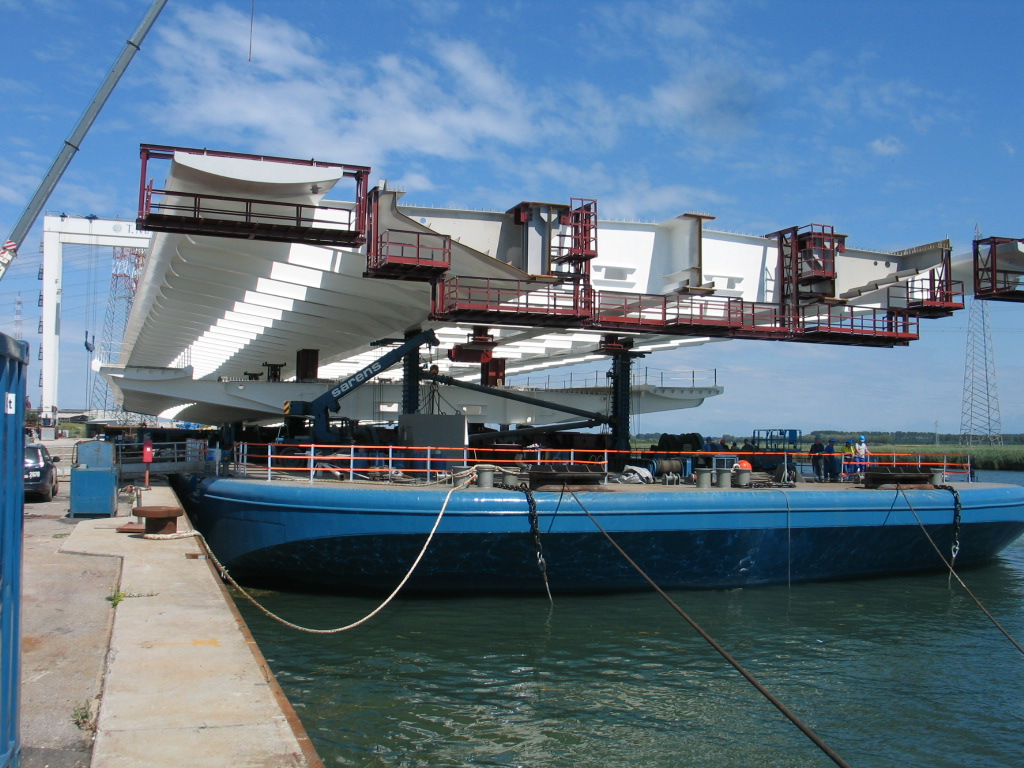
x,y
979,414
19,327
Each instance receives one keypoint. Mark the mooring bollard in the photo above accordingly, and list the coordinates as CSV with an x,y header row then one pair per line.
x,y
485,476
159,520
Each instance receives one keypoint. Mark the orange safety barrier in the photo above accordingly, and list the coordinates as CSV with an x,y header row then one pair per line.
x,y
432,462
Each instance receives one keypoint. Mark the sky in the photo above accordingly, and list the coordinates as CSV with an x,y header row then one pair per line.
x,y
899,123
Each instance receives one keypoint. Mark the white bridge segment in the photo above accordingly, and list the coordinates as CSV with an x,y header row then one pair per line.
x,y
225,306
155,390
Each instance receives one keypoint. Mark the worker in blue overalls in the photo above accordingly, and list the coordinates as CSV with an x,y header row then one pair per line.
x,y
831,461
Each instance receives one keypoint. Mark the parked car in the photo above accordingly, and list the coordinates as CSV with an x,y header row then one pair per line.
x,y
40,472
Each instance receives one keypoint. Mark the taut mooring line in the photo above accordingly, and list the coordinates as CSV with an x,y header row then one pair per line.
x,y
949,563
714,644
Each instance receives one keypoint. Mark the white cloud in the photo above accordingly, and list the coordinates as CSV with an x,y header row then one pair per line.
x,y
708,101
293,98
887,146
448,99
414,183
19,176
639,200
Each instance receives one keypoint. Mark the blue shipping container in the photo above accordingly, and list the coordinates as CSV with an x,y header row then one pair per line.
x,y
13,360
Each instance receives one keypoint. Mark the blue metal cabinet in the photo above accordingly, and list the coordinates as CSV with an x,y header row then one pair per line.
x,y
93,492
94,480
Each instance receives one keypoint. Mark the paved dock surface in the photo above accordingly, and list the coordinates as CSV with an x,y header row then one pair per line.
x,y
168,677
65,634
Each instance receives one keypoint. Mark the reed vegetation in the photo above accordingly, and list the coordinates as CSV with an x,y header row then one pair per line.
x,y
997,457
994,457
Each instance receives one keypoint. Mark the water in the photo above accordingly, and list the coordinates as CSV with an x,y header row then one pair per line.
x,y
888,672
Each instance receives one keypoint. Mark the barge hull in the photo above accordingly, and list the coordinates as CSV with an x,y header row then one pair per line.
x,y
365,538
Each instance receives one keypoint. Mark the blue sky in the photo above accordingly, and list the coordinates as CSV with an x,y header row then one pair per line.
x,y
898,123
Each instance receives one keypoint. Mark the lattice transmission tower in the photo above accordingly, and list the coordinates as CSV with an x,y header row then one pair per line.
x,y
19,323
124,281
979,413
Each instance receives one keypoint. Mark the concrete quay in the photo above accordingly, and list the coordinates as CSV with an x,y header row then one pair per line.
x,y
169,676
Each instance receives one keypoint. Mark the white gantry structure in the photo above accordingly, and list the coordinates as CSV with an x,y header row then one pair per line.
x,y
261,287
58,231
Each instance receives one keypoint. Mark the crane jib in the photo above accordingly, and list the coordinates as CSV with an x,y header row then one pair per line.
x,y
356,379
330,400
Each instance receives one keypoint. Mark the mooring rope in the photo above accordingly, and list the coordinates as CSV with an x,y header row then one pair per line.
x,y
714,644
175,535
955,551
336,630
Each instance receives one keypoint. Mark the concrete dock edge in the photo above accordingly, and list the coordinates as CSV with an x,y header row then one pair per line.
x,y
183,682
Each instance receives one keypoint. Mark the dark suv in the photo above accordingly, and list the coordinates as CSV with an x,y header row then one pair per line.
x,y
40,472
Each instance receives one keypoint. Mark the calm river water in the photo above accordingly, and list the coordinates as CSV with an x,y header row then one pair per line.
x,y
888,672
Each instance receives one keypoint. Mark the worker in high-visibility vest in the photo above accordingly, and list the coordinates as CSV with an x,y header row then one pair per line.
x,y
849,454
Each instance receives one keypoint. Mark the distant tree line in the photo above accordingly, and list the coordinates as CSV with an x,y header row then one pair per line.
x,y
904,438
873,438
1008,456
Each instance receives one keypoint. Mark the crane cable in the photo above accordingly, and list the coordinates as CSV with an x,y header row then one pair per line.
x,y
252,21
714,644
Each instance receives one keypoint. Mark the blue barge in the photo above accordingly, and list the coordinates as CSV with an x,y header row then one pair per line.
x,y
364,536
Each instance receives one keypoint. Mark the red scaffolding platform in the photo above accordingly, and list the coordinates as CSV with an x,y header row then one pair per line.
x,y
558,302
999,269
678,314
574,304
934,297
578,244
806,268
197,213
762,320
403,254
806,310
400,254
865,327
